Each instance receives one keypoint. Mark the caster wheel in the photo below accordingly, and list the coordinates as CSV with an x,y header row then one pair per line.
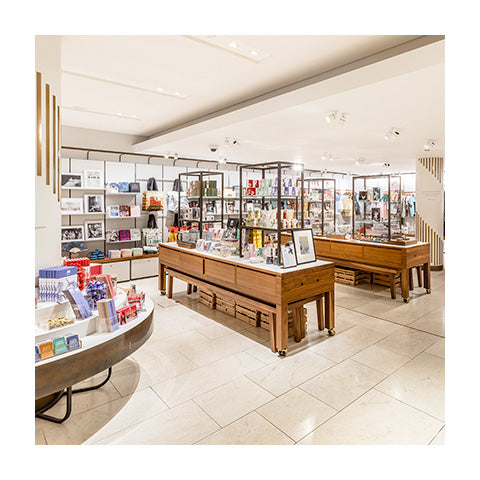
x,y
406,300
428,290
162,292
331,333
282,353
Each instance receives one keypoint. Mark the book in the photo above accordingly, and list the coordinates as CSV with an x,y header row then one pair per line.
x,y
72,342
112,235
113,210
107,315
134,210
112,187
123,187
37,353
46,350
124,211
123,235
59,346
52,281
135,234
79,303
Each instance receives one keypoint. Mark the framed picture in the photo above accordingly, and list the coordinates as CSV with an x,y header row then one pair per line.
x,y
375,214
71,180
376,194
94,230
71,232
71,205
304,246
113,211
363,195
93,179
288,255
93,203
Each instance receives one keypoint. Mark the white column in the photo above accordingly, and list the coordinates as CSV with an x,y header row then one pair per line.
x,y
430,206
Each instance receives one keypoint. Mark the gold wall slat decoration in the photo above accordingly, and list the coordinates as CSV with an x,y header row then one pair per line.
x,y
426,234
39,123
47,133
55,138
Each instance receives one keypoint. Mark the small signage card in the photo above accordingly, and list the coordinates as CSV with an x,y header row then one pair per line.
x,y
59,346
72,342
46,350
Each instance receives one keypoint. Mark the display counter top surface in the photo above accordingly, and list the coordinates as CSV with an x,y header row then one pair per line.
x,y
367,243
246,263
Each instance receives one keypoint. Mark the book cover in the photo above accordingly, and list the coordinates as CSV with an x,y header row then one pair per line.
x,y
37,353
112,187
124,235
135,234
46,350
112,235
79,303
59,346
134,210
123,187
72,342
124,211
113,210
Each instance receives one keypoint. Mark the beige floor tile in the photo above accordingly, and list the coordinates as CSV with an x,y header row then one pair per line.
x,y
296,413
178,343
438,348
375,306
407,342
351,301
279,377
375,419
182,425
420,383
39,435
249,430
380,359
433,322
439,438
104,419
233,400
343,383
215,331
218,348
203,379
381,326
263,353
152,369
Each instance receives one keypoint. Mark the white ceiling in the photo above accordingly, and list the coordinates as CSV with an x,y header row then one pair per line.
x,y
114,74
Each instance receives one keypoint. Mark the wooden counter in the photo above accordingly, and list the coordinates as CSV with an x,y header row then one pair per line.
x,y
377,257
272,285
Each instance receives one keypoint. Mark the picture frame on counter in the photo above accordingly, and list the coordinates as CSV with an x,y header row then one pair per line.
x,y
72,206
72,232
94,230
71,180
93,179
289,258
94,204
304,246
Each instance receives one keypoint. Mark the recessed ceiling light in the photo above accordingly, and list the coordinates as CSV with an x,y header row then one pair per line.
x,y
177,94
233,45
253,52
336,118
159,89
298,167
392,134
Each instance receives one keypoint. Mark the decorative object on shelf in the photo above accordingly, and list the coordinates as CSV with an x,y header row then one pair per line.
x,y
94,230
152,200
107,316
94,203
124,235
96,255
123,187
72,232
93,178
288,255
134,210
113,211
112,187
134,187
304,246
95,291
71,206
71,180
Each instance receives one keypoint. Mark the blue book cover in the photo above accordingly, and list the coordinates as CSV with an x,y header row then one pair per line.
x,y
78,302
37,353
72,342
123,187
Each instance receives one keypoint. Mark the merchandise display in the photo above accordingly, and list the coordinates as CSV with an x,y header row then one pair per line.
x,y
320,205
53,281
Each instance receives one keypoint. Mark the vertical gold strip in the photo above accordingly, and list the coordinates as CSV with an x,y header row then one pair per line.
x,y
39,124
58,152
54,116
47,133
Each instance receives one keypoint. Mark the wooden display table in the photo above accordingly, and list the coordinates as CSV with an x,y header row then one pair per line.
x,y
378,258
274,289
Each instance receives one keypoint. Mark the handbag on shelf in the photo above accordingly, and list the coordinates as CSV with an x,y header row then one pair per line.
x,y
152,200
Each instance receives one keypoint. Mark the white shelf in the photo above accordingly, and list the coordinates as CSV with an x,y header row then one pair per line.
x,y
81,214
123,193
83,188
121,218
122,241
89,240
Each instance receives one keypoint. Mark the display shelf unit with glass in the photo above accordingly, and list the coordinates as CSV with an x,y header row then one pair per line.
x,y
268,192
205,205
377,212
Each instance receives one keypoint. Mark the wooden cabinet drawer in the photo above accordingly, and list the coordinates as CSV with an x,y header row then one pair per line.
x,y
190,264
144,267
322,248
258,284
347,251
217,271
169,256
384,256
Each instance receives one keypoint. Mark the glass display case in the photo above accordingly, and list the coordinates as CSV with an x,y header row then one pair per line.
x,y
377,209
320,205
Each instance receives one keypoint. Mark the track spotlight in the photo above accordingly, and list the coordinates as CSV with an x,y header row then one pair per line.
x,y
429,144
336,118
392,134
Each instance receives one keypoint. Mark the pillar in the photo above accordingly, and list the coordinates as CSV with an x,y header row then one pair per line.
x,y
430,207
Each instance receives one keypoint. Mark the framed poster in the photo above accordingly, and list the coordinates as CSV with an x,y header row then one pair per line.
x,y
72,232
93,203
71,180
93,179
288,255
363,195
94,230
375,214
304,246
71,206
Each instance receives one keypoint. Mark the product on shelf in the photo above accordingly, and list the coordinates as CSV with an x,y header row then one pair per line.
x,y
134,210
53,281
79,303
152,236
107,316
53,323
73,342
138,299
59,346
112,187
95,291
125,252
83,269
152,200
107,280
137,251
114,254
127,313
123,187
46,350
123,235
96,255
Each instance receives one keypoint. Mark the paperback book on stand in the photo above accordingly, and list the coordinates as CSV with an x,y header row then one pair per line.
x,y
79,303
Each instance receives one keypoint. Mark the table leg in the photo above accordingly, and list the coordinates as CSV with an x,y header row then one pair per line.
x,y
161,278
393,288
195,288
272,332
320,317
297,328
303,322
189,288
281,329
426,277
330,311
419,275
410,278
404,285
170,286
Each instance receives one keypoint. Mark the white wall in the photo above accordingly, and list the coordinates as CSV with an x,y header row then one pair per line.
x,y
47,207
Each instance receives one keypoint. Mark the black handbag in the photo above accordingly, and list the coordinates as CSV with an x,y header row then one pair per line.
x,y
152,222
134,187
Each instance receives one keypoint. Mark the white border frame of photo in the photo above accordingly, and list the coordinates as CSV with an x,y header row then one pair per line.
x,y
304,258
289,260
70,174
90,183
87,208
69,227
78,200
88,222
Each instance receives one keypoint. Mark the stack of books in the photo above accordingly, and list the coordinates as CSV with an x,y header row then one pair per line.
x,y
53,281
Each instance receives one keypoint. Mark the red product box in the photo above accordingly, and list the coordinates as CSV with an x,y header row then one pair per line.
x,y
95,270
250,183
127,313
251,191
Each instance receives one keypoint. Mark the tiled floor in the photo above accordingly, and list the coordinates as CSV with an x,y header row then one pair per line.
x,y
207,378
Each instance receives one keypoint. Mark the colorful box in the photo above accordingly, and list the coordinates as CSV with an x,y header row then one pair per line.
x,y
59,346
127,313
